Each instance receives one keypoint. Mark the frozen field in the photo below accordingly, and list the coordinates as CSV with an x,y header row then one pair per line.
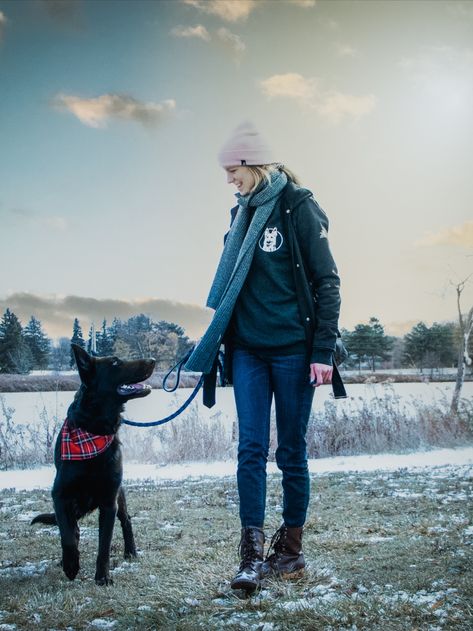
x,y
158,404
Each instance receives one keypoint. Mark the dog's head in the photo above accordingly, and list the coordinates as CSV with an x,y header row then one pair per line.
x,y
107,383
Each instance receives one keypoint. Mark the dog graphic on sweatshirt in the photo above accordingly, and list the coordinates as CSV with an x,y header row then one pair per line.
x,y
271,240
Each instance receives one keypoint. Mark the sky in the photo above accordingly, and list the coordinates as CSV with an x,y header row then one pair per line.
x,y
112,202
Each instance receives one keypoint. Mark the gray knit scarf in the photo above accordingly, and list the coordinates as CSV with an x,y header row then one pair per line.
x,y
233,267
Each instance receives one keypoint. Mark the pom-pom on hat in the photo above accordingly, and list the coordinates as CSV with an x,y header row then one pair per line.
x,y
246,146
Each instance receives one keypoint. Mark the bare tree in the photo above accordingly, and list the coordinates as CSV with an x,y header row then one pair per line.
x,y
466,326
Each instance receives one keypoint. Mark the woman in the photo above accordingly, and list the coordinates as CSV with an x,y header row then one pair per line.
x,y
276,296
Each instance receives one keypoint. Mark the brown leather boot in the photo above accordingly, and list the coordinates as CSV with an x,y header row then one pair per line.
x,y
251,554
287,558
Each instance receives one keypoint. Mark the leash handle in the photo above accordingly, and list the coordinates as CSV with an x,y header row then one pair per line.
x,y
179,366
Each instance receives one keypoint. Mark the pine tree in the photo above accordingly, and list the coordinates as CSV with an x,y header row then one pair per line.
x,y
89,342
104,341
76,339
60,358
38,343
417,343
15,356
368,341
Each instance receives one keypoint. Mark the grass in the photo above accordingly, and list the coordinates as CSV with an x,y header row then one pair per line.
x,y
385,551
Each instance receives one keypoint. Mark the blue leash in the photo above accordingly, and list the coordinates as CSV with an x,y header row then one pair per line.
x,y
183,406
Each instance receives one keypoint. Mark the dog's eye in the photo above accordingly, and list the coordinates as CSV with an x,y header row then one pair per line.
x,y
115,362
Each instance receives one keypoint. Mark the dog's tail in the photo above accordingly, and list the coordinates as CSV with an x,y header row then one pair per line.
x,y
45,518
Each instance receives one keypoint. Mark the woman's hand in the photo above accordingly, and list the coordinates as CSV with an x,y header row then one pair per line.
x,y
320,373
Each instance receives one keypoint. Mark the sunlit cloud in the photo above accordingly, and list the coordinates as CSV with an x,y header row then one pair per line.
x,y
291,85
228,10
96,112
198,31
232,41
57,313
345,50
3,23
305,4
308,93
461,235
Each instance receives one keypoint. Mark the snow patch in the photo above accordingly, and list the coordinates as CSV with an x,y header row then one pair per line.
x,y
454,462
102,623
27,570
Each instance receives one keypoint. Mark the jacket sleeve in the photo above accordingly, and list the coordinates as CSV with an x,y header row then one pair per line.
x,y
311,225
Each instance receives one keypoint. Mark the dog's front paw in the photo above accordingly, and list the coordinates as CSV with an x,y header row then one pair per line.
x,y
130,553
103,580
70,563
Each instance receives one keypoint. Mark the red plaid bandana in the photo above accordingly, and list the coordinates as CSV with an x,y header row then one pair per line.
x,y
79,445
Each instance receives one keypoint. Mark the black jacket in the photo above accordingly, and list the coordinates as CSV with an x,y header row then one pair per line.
x,y
315,273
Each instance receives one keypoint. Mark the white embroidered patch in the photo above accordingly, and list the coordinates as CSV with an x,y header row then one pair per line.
x,y
323,233
271,240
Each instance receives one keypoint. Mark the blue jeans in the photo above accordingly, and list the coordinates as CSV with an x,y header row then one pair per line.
x,y
255,380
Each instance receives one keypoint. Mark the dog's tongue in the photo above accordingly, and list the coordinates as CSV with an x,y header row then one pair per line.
x,y
130,388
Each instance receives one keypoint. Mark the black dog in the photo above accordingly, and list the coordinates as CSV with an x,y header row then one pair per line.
x,y
88,457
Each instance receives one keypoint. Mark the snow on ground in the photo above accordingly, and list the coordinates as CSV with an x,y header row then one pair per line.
x,y
42,477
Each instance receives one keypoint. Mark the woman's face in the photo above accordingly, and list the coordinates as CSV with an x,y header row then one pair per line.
x,y
242,177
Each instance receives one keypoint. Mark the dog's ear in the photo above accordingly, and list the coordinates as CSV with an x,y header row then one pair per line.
x,y
85,363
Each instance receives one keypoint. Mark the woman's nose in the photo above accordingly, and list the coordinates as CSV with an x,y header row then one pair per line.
x,y
229,178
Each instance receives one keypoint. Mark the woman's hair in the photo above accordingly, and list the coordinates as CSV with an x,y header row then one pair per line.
x,y
263,172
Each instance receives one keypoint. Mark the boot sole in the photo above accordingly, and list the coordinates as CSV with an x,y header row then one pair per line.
x,y
292,575
247,586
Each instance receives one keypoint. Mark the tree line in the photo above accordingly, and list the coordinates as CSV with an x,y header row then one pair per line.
x,y
423,347
23,349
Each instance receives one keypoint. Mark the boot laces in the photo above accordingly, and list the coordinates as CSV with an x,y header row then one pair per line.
x,y
247,549
278,542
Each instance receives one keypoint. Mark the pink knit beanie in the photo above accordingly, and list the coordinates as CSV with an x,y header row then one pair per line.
x,y
245,146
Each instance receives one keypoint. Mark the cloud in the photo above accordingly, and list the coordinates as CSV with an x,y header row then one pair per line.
x,y
308,93
3,22
228,10
57,313
96,112
305,4
460,10
345,50
198,31
461,235
55,222
430,60
33,219
291,85
443,77
63,12
231,41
